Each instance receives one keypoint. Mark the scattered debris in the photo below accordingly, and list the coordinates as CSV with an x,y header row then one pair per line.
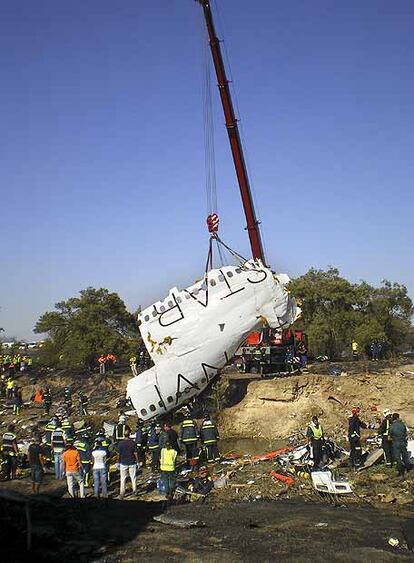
x,y
372,458
323,482
178,522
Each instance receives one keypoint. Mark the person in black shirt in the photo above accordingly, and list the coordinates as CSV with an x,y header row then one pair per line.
x,y
36,454
354,437
168,434
128,459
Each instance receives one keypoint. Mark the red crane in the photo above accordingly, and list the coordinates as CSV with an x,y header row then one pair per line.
x,y
234,136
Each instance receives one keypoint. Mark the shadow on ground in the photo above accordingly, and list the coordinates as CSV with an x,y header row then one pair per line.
x,y
72,529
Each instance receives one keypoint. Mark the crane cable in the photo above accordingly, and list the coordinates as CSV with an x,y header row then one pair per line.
x,y
209,149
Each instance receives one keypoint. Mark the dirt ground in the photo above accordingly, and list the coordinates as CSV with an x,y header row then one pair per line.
x,y
253,516
113,531
277,408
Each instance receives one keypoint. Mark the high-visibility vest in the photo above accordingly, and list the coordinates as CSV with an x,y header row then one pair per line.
x,y
84,450
58,440
133,360
167,460
9,439
316,431
119,433
189,431
153,439
355,346
208,433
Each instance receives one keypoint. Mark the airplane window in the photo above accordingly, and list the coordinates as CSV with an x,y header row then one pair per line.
x,y
178,299
147,317
170,399
203,379
221,277
162,308
230,274
144,412
213,282
170,304
160,404
238,271
152,408
154,313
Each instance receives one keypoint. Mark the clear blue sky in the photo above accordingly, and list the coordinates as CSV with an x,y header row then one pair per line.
x,y
102,156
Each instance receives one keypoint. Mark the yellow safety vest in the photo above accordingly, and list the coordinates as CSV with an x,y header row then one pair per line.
x,y
317,432
167,461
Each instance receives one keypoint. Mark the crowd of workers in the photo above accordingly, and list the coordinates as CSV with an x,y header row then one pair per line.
x,y
392,430
85,456
15,363
375,350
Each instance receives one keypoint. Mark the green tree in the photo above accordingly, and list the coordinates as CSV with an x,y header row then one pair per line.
x,y
84,327
334,312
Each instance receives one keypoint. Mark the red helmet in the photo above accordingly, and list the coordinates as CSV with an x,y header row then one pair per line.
x,y
355,410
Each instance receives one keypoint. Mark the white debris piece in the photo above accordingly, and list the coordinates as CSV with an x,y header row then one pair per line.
x,y
193,333
410,449
323,482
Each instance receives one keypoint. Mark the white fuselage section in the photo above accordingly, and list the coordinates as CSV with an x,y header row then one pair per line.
x,y
194,332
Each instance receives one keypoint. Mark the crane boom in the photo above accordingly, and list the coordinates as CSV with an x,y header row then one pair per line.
x,y
234,136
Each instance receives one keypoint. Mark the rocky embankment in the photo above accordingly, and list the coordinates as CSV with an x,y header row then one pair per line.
x,y
279,407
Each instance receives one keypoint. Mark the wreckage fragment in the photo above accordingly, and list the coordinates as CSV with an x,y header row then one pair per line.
x,y
193,333
324,483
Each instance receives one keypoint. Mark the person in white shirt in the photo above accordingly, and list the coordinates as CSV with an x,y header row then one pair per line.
x,y
99,471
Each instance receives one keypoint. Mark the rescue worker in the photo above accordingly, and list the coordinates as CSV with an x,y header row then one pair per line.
x,y
258,357
102,441
141,442
9,386
47,400
209,436
17,399
67,395
83,446
398,432
73,468
133,365
167,465
316,440
67,428
203,483
154,446
168,434
10,452
189,436
120,428
83,404
102,364
58,447
354,437
384,432
111,360
50,426
355,349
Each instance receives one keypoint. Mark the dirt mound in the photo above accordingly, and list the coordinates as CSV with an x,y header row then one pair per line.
x,y
277,408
